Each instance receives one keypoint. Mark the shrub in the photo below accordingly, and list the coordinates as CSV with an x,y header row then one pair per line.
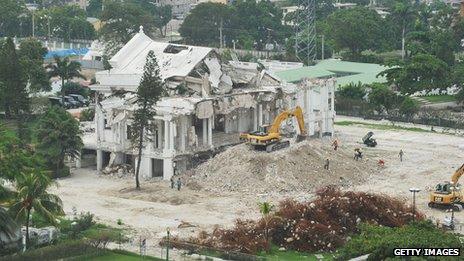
x,y
380,241
408,107
352,91
75,227
62,173
460,96
99,238
54,252
87,114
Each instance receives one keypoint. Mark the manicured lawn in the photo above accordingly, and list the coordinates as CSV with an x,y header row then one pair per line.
x,y
379,126
276,255
121,257
115,255
439,98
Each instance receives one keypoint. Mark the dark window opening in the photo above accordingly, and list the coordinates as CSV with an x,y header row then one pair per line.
x,y
175,48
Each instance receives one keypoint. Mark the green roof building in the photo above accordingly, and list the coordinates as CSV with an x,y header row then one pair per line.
x,y
344,72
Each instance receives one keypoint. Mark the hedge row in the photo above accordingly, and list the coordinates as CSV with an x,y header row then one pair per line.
x,y
53,252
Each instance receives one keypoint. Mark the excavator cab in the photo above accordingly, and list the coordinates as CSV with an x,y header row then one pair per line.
x,y
269,138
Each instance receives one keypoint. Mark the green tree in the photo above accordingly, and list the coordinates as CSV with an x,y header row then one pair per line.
x,y
421,72
14,98
9,13
66,22
460,96
408,107
202,24
15,156
149,91
31,53
95,8
58,134
261,20
403,12
65,69
355,29
266,208
163,15
31,195
121,20
382,98
352,91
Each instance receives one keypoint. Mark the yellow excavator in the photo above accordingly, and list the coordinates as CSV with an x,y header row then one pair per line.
x,y
448,195
269,138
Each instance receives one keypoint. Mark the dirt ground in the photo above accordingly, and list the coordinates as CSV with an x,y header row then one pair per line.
x,y
429,158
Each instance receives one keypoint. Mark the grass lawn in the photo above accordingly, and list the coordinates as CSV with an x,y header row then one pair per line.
x,y
290,255
439,98
379,126
115,255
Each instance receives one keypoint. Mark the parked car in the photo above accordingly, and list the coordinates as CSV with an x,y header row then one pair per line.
x,y
59,101
74,103
79,98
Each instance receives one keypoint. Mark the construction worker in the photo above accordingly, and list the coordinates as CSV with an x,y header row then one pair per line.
x,y
172,182
401,154
326,165
179,184
357,154
335,144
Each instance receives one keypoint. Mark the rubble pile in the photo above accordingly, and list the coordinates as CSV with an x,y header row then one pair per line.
x,y
119,171
297,168
323,224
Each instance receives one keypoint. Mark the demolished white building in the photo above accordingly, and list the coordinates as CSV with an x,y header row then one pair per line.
x,y
210,102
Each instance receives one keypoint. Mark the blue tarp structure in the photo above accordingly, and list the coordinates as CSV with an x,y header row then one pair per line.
x,y
66,52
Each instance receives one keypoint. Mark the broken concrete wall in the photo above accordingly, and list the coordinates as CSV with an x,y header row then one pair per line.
x,y
221,83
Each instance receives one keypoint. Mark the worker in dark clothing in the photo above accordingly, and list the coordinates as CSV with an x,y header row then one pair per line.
x,y
401,155
179,184
326,165
172,182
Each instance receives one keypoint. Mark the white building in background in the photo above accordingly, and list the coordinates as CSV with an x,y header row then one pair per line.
x,y
209,103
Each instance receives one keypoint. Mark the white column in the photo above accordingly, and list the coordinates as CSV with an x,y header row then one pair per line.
x,y
332,101
159,126
172,134
183,133
168,169
255,118
54,45
260,115
99,160
205,133
166,135
78,161
210,132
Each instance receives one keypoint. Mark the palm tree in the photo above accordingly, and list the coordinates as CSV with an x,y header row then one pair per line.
x,y
266,209
31,195
65,69
404,12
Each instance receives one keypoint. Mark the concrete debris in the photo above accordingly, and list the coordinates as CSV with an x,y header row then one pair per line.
x,y
295,169
220,83
119,171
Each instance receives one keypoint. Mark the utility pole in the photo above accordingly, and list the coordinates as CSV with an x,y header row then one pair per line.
x,y
322,48
220,34
414,191
167,246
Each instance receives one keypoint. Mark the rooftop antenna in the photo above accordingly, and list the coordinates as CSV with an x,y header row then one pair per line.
x,y
305,31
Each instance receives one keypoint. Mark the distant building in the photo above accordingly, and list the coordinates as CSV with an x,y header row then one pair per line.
x,y
342,71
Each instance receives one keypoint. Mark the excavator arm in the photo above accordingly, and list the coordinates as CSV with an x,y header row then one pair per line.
x,y
457,175
297,112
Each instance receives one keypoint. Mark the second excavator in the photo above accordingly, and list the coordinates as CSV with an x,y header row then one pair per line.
x,y
448,194
269,138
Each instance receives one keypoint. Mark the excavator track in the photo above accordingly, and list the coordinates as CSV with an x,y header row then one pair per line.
x,y
277,146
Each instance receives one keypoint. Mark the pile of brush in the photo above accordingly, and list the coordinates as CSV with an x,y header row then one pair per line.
x,y
323,224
